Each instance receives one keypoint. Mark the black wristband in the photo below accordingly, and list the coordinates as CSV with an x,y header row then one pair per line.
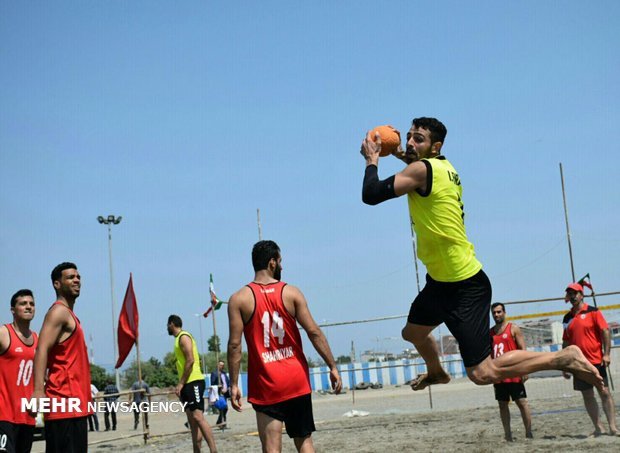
x,y
375,191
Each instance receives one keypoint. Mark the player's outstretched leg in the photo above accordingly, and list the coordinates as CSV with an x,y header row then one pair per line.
x,y
522,362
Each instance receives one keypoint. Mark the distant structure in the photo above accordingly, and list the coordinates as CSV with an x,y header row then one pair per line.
x,y
449,345
542,332
614,329
377,356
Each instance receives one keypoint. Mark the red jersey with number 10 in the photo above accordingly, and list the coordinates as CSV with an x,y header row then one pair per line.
x,y
16,366
277,366
502,343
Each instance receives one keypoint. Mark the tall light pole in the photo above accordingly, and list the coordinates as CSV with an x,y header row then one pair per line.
x,y
109,221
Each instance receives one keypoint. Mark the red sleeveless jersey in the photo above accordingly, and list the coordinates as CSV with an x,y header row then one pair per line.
x,y
502,343
277,366
16,366
69,372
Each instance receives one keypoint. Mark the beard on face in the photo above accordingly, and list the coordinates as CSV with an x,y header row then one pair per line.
x,y
277,273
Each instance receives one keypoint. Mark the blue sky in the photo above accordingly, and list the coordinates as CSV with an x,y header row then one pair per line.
x,y
186,117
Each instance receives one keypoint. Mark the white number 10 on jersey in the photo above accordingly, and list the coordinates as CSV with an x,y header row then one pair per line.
x,y
277,328
25,372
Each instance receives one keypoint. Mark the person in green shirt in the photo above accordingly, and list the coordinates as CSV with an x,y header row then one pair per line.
x,y
191,386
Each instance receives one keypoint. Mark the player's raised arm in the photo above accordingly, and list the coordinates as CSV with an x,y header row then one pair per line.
x,y
315,335
374,190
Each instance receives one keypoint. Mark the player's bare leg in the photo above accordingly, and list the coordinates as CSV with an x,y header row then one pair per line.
x,y
504,414
609,409
589,401
304,444
526,415
200,429
522,362
270,433
426,345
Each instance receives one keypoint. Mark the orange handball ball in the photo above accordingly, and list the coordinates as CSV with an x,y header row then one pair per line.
x,y
390,139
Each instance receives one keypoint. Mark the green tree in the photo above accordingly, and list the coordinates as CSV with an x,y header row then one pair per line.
x,y
343,359
211,362
214,343
154,373
99,376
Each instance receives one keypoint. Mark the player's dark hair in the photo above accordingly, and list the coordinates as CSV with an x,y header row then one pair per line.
x,y
437,129
262,253
498,304
175,321
57,271
20,293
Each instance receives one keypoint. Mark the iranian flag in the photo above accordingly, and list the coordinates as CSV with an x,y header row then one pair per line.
x,y
585,281
215,302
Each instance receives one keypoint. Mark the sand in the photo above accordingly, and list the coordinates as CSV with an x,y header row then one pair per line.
x,y
464,417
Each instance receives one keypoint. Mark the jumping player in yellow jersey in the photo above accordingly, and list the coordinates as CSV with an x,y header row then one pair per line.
x,y
457,291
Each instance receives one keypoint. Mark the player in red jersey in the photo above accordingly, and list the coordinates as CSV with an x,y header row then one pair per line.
x,y
17,346
585,327
62,351
267,311
505,337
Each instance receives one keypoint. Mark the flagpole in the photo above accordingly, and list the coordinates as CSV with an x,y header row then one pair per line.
x,y
217,347
202,344
570,248
611,380
145,431
592,289
260,232
138,361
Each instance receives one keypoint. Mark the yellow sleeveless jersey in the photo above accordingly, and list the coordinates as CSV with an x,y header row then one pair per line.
x,y
196,374
438,220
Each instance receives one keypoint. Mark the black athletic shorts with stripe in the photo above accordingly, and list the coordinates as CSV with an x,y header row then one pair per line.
x,y
464,308
296,414
192,393
15,437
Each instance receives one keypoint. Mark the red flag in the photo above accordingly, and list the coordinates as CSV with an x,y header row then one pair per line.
x,y
127,324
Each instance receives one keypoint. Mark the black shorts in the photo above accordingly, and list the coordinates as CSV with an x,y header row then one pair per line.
x,y
509,390
464,307
67,435
192,393
580,385
15,437
296,414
